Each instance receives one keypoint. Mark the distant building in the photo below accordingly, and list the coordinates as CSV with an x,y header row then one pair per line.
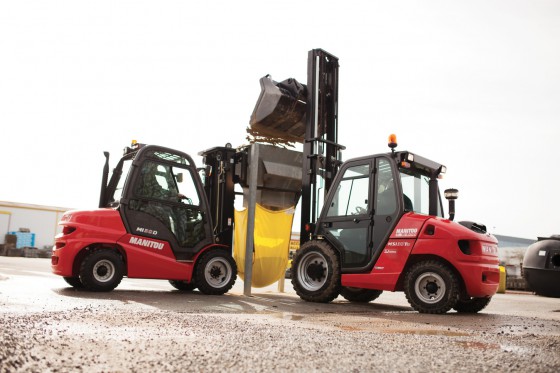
x,y
40,220
511,251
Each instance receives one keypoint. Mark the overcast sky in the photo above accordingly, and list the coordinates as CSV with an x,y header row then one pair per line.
x,y
474,85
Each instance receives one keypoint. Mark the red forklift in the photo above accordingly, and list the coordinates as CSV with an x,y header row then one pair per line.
x,y
155,220
381,226
382,229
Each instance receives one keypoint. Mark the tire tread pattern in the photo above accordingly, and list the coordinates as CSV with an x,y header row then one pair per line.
x,y
331,289
86,270
199,278
360,295
449,277
472,305
183,285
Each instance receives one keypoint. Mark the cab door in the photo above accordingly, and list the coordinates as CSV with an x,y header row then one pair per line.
x,y
346,222
164,199
388,205
361,211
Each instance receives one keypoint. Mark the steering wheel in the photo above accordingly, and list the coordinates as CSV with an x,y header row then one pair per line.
x,y
360,210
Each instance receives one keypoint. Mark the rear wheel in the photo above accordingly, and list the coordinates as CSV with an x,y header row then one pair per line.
x,y
316,272
215,272
472,305
431,287
359,295
74,282
102,270
182,285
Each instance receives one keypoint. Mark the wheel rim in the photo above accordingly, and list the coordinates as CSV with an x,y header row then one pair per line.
x,y
313,271
104,270
430,287
217,272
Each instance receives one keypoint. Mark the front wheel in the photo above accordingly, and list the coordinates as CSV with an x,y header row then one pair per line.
x,y
359,295
74,282
102,270
316,272
431,287
215,272
472,305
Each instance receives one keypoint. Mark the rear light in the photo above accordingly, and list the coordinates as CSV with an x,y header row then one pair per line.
x,y
54,260
475,247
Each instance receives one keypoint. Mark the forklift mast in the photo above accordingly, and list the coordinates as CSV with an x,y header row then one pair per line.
x,y
321,151
291,111
219,187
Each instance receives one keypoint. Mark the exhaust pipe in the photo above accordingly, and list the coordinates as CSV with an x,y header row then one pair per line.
x,y
104,177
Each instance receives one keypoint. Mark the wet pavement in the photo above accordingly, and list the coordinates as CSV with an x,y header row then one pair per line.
x,y
47,326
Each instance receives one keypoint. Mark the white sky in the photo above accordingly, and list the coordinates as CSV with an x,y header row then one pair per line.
x,y
474,85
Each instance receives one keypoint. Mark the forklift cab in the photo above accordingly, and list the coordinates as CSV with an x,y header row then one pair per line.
x,y
162,197
367,200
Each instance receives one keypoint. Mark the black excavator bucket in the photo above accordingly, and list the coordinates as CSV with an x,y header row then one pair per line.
x,y
280,110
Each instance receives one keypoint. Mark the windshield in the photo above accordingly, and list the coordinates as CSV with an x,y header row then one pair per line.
x,y
416,192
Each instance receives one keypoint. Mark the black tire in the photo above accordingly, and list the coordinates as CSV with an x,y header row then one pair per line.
x,y
102,270
74,282
182,285
288,273
472,305
316,272
548,294
431,287
359,295
215,272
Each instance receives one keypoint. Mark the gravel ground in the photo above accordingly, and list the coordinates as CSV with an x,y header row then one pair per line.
x,y
144,325
98,339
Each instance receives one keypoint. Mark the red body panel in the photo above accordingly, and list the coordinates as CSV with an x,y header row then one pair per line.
x,y
424,235
144,257
150,258
103,226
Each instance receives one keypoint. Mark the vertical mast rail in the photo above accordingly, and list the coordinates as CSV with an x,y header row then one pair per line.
x,y
321,155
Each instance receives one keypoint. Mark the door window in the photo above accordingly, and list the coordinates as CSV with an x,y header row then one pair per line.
x,y
386,197
352,194
169,194
350,232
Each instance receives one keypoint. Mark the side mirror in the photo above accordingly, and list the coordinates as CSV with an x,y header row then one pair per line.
x,y
451,195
